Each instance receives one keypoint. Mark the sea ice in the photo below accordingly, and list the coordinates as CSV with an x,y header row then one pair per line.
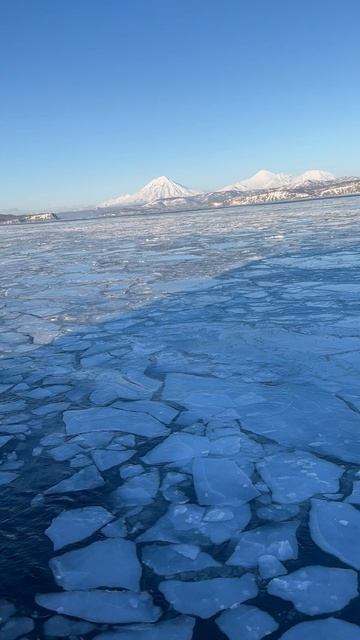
x,y
193,524
270,566
206,395
88,478
139,490
102,606
158,410
4,440
354,497
16,627
294,477
335,528
177,558
108,563
6,477
64,452
60,627
108,419
130,470
247,623
107,458
7,609
106,392
304,415
278,540
221,482
178,447
169,487
115,529
179,628
314,590
75,525
328,629
204,598
94,439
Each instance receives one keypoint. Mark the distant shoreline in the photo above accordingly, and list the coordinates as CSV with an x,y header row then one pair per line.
x,y
92,214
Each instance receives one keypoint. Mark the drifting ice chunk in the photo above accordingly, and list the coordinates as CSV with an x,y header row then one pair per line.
x,y
169,560
169,487
64,452
108,458
269,567
314,590
221,482
95,439
247,623
4,440
354,498
88,478
329,629
6,477
77,524
180,628
102,606
191,523
60,627
115,529
294,477
178,447
158,410
108,419
205,394
277,540
335,528
104,393
140,490
52,439
108,563
206,597
313,421
7,609
130,470
16,627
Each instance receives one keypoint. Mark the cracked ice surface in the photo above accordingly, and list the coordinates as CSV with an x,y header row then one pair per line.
x,y
179,405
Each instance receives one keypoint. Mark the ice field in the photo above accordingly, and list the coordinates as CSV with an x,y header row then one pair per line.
x,y
180,425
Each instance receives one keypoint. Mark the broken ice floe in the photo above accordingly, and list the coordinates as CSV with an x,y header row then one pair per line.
x,y
107,563
247,623
204,598
102,606
75,525
314,590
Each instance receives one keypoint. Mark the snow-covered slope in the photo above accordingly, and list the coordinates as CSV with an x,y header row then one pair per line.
x,y
268,180
314,175
263,179
157,189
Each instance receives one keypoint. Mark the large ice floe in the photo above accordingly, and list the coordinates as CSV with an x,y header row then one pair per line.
x,y
179,426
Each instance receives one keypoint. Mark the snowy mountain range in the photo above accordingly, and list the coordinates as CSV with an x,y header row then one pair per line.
x,y
165,193
264,179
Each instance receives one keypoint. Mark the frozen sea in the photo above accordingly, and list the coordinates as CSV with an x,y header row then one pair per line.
x,y
180,425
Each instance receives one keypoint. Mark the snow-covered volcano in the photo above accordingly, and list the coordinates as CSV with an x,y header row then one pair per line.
x,y
264,179
157,189
314,175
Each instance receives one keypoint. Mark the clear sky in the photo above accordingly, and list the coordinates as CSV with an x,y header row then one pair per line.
x,y
100,96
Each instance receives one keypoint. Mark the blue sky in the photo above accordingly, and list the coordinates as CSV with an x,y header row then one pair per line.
x,y
100,96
